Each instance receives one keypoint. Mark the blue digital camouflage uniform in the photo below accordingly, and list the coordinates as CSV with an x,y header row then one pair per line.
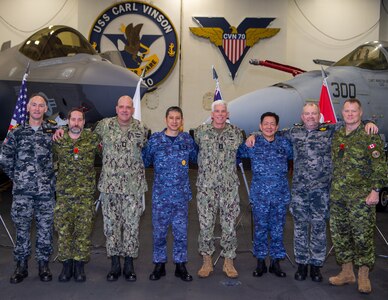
x,y
269,193
27,160
75,189
217,186
122,184
310,190
358,166
171,191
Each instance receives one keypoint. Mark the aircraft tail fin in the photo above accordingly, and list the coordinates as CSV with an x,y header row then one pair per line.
x,y
6,45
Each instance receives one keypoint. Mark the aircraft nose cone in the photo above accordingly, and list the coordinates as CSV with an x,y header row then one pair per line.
x,y
245,111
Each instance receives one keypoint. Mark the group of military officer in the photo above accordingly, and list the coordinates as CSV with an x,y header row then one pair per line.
x,y
122,140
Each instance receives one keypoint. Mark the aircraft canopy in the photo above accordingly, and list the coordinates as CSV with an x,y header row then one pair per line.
x,y
371,56
55,41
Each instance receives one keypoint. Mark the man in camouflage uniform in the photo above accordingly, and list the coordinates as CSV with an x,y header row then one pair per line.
x,y
27,160
310,189
170,152
122,184
75,188
217,187
269,193
359,171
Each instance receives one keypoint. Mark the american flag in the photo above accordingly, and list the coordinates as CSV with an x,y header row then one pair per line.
x,y
20,112
217,92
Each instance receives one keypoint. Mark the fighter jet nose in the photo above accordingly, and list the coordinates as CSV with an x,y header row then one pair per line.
x,y
245,111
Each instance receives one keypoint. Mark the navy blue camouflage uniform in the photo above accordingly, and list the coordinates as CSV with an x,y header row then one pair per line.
x,y
310,190
269,193
27,160
171,191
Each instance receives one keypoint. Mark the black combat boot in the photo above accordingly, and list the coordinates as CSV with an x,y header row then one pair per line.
x,y
129,270
315,273
44,271
301,274
181,271
158,272
260,269
79,273
21,271
67,271
275,268
115,270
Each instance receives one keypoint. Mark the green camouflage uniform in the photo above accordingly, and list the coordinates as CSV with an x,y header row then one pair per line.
x,y
122,184
358,166
76,185
217,186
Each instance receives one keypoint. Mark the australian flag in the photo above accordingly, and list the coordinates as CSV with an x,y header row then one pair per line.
x,y
217,92
20,112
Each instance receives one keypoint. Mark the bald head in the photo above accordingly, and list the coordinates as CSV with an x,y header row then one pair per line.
x,y
124,110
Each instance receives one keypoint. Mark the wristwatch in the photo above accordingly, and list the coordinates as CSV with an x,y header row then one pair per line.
x,y
377,190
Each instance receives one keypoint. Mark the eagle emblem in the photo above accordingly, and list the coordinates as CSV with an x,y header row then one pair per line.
x,y
234,42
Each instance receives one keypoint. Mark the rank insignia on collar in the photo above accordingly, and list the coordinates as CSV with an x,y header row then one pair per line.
x,y
376,154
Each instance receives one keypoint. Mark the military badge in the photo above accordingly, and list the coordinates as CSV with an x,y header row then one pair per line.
x,y
322,129
376,154
49,130
341,150
75,151
234,42
53,122
183,163
372,146
144,36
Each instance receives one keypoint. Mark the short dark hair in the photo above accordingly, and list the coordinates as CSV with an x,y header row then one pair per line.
x,y
269,114
352,101
174,108
76,109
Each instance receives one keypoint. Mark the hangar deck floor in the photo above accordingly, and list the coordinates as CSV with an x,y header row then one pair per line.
x,y
217,286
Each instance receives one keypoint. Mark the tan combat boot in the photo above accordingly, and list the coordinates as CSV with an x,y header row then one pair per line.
x,y
207,267
345,276
229,269
363,280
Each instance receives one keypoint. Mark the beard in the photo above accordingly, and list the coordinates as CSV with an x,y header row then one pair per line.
x,y
75,130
